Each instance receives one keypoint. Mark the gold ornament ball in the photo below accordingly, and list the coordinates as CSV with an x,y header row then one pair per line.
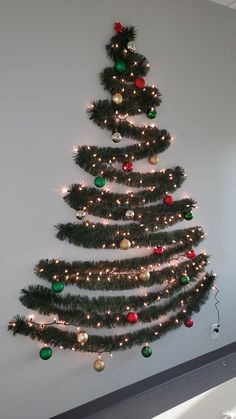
x,y
99,365
82,337
117,98
125,244
153,159
144,276
129,214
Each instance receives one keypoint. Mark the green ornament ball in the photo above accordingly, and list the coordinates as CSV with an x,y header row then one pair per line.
x,y
184,279
99,181
188,216
146,351
45,353
151,113
120,66
57,287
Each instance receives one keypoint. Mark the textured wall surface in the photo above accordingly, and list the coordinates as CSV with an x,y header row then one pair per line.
x,y
51,53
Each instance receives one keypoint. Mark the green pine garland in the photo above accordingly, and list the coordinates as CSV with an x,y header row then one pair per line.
x,y
96,343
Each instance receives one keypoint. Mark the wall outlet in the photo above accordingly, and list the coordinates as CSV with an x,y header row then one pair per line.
x,y
215,330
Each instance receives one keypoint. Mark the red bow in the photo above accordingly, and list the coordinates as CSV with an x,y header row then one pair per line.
x,y
118,27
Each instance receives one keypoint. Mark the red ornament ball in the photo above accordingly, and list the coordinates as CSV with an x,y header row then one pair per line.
x,y
190,254
139,82
188,322
128,166
132,317
118,27
158,250
168,200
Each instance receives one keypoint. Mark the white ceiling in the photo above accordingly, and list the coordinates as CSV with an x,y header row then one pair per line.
x,y
228,3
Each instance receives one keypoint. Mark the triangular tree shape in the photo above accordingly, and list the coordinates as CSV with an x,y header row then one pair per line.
x,y
172,274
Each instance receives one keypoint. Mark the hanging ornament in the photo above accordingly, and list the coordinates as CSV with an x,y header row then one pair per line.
x,y
120,66
116,137
99,365
190,254
45,353
125,244
118,27
131,46
139,82
129,214
146,351
127,166
188,215
117,98
80,214
57,287
99,181
184,279
158,250
153,159
188,322
151,113
144,276
168,200
132,317
82,337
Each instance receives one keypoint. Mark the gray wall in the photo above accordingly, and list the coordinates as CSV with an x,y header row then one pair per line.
x,y
51,53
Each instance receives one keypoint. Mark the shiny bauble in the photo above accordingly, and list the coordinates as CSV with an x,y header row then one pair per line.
x,y
188,322
144,276
158,250
120,66
57,287
99,181
153,159
129,214
139,82
128,166
131,46
146,351
168,200
190,254
116,137
125,244
184,279
99,365
80,214
117,98
151,113
45,353
188,215
132,317
82,337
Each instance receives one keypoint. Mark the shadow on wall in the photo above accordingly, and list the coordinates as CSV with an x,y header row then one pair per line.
x,y
217,403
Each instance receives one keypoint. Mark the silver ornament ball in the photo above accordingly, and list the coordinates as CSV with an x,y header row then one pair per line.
x,y
80,214
129,214
131,46
116,137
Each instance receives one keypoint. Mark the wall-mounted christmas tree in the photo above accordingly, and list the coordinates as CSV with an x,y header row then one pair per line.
x,y
169,283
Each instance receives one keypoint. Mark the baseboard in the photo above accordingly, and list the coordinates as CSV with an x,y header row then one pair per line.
x,y
124,393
